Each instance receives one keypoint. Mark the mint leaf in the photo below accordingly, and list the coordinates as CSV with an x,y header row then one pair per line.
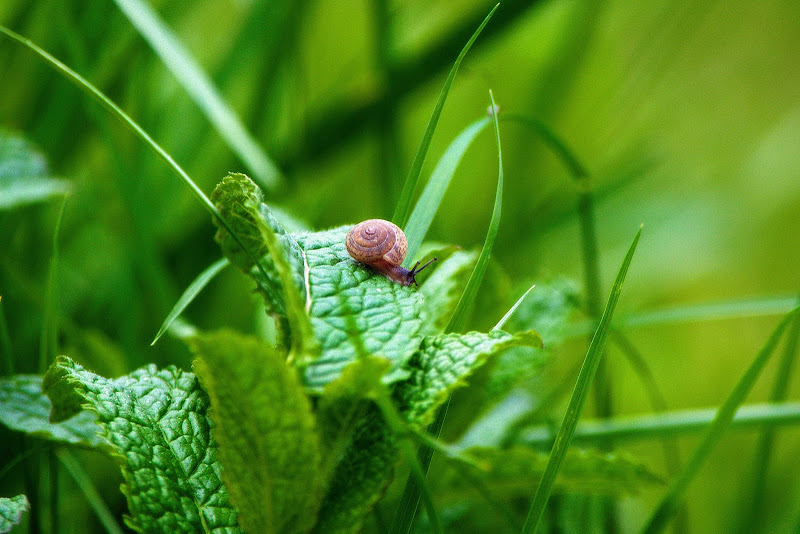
x,y
443,363
361,477
263,424
26,409
333,288
155,422
24,177
11,511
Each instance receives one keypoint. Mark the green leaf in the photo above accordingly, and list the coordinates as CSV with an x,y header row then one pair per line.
x,y
201,90
400,216
437,185
26,409
578,398
443,363
361,477
329,288
24,177
459,318
443,287
283,272
156,423
11,510
264,428
191,292
510,473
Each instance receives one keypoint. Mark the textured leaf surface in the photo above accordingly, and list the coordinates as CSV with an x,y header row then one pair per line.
x,y
265,430
513,472
24,178
11,511
24,408
444,362
384,315
156,423
361,477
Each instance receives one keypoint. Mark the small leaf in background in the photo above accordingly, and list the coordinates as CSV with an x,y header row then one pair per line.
x,y
265,431
11,510
156,423
444,362
24,177
26,409
512,472
443,287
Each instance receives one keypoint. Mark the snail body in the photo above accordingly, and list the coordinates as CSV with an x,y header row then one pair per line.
x,y
382,246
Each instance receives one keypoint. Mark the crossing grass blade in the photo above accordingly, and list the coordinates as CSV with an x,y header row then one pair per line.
x,y
672,499
400,217
578,398
201,90
191,292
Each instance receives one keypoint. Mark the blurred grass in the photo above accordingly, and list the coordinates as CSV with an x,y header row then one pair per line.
x,y
686,115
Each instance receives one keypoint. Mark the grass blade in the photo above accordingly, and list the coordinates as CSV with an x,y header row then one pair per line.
x,y
459,318
555,143
404,515
780,390
201,90
84,85
49,336
400,217
82,480
191,292
665,425
502,322
428,203
711,311
669,503
578,398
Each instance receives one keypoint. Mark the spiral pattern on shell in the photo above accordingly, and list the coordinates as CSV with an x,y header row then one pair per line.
x,y
375,239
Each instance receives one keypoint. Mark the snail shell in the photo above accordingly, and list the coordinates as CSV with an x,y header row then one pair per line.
x,y
382,245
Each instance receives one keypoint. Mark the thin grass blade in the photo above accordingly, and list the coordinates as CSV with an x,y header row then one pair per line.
x,y
49,335
194,289
83,84
706,311
578,398
555,143
400,217
672,424
201,90
502,322
460,314
84,483
428,203
780,391
407,509
671,500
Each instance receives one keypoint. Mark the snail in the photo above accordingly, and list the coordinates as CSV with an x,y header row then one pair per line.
x,y
382,246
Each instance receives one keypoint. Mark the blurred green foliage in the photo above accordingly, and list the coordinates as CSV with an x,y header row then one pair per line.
x,y
686,115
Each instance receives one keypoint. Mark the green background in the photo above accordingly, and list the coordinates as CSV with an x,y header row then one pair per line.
x,y
686,114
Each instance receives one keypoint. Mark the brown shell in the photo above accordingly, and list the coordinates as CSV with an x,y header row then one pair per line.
x,y
374,240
